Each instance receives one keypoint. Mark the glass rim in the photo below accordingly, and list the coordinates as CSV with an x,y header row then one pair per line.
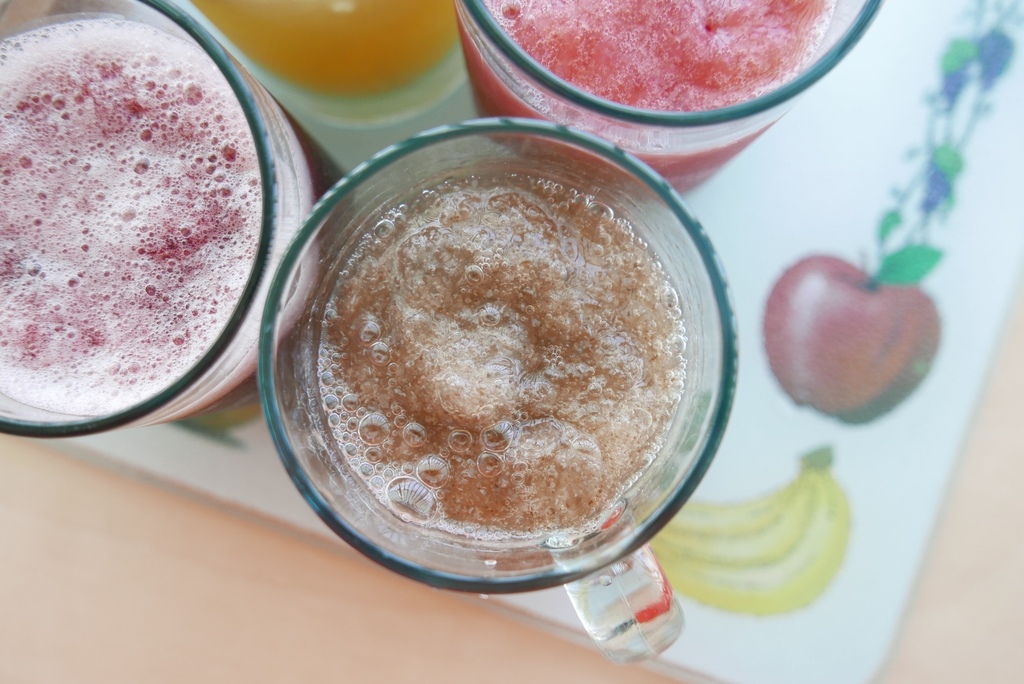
x,y
381,161
261,140
669,119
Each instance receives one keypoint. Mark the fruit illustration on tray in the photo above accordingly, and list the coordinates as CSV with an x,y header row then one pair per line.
x,y
769,555
854,342
846,343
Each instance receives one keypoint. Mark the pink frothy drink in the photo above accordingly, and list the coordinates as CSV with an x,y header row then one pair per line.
x,y
684,84
131,225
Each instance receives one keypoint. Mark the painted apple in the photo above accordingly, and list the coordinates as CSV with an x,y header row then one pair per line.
x,y
842,343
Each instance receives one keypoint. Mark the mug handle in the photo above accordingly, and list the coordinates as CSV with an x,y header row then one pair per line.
x,y
628,608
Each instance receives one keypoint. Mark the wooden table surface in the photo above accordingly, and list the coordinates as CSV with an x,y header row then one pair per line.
x,y
106,579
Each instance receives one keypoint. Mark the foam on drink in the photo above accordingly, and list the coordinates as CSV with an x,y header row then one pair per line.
x,y
671,55
130,214
500,357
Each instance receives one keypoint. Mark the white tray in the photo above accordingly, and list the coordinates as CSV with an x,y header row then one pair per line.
x,y
818,182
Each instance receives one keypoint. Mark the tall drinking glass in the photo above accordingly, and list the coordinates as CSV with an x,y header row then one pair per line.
x,y
498,357
148,186
686,147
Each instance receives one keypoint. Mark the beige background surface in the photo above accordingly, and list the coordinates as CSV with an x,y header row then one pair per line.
x,y
106,579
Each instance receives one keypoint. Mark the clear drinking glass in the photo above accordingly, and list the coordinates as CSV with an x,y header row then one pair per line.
x,y
351,63
293,173
615,583
684,147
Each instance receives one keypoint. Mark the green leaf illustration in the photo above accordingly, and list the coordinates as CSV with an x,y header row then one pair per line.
x,y
890,222
959,53
908,266
821,458
948,160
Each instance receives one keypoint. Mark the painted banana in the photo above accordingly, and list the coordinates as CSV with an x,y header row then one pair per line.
x,y
770,555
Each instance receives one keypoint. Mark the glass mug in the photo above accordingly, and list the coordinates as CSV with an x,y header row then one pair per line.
x,y
285,172
331,444
684,147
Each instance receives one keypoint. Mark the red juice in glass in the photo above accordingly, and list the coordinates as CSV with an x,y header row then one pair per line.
x,y
683,84
133,226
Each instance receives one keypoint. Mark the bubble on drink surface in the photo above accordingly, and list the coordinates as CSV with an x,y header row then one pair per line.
x,y
350,402
670,297
499,436
370,331
490,464
538,438
193,94
586,447
414,434
536,387
373,454
411,500
380,353
503,368
460,440
678,344
511,9
433,471
490,315
384,229
374,428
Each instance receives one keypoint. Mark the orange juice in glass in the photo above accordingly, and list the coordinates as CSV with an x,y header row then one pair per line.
x,y
347,60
